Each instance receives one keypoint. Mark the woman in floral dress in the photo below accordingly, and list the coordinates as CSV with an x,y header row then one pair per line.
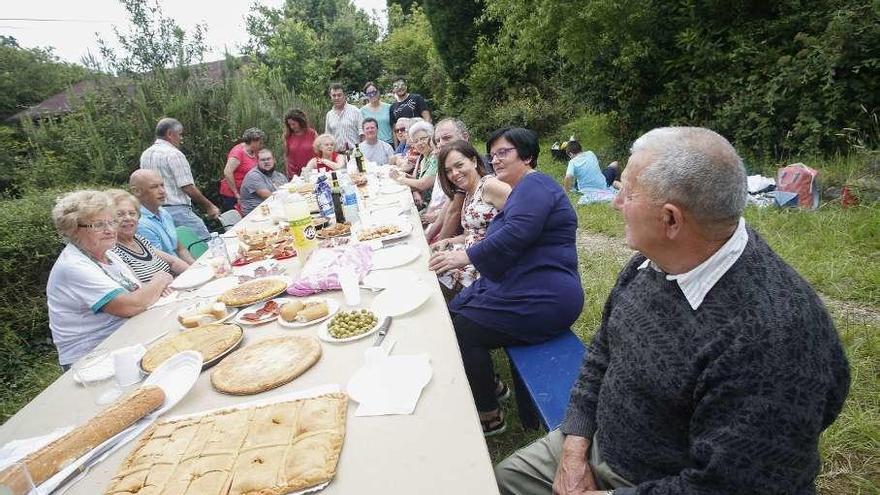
x,y
484,196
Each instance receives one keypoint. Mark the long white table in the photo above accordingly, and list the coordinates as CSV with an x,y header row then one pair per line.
x,y
438,449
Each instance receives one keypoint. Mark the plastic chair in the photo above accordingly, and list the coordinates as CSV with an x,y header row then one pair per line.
x,y
229,218
193,243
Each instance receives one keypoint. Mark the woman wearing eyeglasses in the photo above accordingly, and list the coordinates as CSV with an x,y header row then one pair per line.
x,y
379,110
529,290
91,291
143,259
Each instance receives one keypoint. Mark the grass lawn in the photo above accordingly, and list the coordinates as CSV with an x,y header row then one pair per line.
x,y
835,250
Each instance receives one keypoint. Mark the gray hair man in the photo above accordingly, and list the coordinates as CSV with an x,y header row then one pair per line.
x,y
715,368
165,158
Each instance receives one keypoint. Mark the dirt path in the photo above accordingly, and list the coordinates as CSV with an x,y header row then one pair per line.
x,y
600,244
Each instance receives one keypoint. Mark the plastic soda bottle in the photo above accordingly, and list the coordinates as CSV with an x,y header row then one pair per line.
x,y
301,228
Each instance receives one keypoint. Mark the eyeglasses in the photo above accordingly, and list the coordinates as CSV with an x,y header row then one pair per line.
x,y
423,139
99,226
123,214
402,129
500,153
398,85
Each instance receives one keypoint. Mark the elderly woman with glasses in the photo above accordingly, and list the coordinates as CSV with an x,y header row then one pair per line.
x,y
91,291
240,160
378,110
529,289
143,259
424,172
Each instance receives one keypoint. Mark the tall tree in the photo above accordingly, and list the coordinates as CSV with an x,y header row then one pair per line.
x,y
455,27
308,43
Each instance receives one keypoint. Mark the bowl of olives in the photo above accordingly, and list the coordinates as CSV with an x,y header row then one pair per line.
x,y
347,326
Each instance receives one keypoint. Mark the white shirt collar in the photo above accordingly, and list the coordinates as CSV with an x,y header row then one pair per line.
x,y
697,282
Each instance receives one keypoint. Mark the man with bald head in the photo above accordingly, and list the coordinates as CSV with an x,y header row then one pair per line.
x,y
156,225
715,367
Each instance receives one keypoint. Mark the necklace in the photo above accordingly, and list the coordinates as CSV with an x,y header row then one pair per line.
x,y
115,276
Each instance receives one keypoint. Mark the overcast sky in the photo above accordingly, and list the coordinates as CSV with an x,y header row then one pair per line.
x,y
72,25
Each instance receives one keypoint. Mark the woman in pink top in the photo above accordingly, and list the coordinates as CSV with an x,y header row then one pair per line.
x,y
241,159
298,141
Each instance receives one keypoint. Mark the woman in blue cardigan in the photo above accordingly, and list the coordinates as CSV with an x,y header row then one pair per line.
x,y
529,289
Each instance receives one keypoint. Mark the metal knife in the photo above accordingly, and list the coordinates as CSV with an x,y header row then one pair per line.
x,y
383,330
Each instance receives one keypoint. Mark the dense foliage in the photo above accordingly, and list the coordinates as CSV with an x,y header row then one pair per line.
x,y
308,43
777,77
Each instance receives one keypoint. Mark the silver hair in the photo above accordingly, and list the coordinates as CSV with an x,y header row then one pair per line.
x,y
79,206
422,126
167,124
695,168
253,134
460,127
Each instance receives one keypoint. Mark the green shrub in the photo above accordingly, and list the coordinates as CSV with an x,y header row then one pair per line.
x,y
29,246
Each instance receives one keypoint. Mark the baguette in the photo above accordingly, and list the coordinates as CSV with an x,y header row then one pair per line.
x,y
47,461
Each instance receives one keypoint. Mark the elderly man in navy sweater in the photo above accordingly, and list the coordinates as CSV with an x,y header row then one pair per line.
x,y
716,366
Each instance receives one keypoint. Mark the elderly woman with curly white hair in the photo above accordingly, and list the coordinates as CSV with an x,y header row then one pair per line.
x,y
91,291
421,179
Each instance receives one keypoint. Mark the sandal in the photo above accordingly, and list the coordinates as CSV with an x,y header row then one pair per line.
x,y
502,391
494,426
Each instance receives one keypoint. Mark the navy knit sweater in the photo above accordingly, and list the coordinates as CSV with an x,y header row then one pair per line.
x,y
730,398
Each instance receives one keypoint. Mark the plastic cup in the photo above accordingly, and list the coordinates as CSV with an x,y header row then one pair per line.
x,y
92,373
16,480
125,365
350,287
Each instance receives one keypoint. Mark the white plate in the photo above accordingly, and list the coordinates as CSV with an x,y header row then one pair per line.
x,y
392,188
176,376
230,312
193,277
387,279
394,256
217,287
401,299
324,332
253,307
402,223
332,307
102,370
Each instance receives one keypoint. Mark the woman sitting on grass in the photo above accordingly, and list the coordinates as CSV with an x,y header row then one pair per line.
x,y
143,259
529,290
91,292
484,197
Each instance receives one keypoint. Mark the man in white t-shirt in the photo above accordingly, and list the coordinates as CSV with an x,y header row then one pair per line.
x,y
374,150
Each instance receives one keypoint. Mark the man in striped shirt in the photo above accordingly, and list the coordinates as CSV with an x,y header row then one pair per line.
x,y
180,189
344,121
